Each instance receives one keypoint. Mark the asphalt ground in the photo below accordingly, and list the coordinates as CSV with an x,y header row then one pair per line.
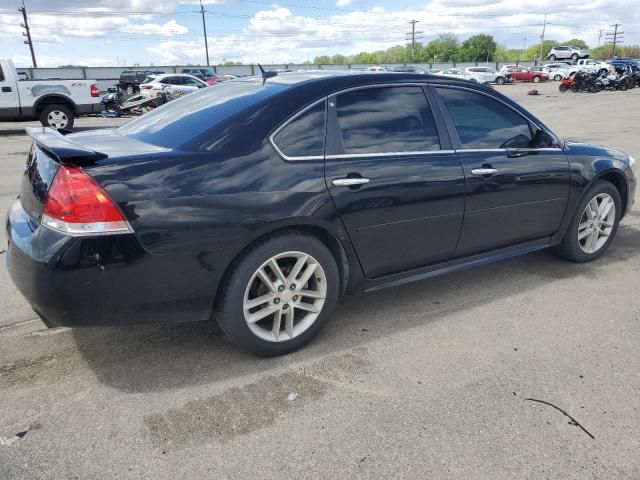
x,y
438,379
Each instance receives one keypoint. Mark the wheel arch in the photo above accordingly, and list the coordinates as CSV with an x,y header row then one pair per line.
x,y
618,179
321,232
54,99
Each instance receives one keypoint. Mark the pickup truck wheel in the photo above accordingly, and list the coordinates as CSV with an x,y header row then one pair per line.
x,y
129,89
57,116
602,71
500,80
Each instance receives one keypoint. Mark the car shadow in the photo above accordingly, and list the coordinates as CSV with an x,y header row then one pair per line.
x,y
146,358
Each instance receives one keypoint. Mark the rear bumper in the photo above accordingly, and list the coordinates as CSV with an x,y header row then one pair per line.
x,y
109,280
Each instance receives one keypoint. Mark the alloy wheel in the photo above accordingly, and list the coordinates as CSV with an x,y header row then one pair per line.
x,y
285,296
57,119
596,223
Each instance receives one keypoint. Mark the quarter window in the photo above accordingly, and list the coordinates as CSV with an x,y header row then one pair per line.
x,y
482,122
1,75
304,135
386,120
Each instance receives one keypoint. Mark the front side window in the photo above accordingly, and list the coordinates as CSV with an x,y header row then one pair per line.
x,y
483,122
386,120
303,136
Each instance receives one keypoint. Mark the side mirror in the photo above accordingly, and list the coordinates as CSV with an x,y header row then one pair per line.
x,y
542,139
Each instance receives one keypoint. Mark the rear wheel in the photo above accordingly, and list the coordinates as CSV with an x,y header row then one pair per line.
x,y
129,89
279,295
57,116
594,224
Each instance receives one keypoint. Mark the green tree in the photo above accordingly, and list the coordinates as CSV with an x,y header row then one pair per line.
x,y
322,60
364,57
339,59
533,51
504,54
576,42
478,48
395,54
443,49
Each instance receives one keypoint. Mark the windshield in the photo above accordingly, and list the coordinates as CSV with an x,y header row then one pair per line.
x,y
183,119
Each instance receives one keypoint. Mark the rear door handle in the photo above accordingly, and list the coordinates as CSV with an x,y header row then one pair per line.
x,y
347,182
484,171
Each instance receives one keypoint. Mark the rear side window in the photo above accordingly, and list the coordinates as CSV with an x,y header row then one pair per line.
x,y
482,122
386,120
303,136
1,75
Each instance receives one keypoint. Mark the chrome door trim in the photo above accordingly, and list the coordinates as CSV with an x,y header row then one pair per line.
x,y
388,154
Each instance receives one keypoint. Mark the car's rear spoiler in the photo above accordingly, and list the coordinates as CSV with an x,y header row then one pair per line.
x,y
61,149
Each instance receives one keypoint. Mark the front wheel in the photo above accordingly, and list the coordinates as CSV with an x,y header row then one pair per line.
x,y
557,78
500,80
563,88
575,57
535,79
279,295
552,58
129,89
594,224
57,116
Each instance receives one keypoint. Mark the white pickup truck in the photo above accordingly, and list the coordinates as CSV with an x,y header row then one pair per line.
x,y
589,65
55,102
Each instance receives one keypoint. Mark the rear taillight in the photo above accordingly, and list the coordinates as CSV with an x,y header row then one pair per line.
x,y
95,91
78,206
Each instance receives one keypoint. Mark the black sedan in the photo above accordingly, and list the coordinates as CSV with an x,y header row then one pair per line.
x,y
260,202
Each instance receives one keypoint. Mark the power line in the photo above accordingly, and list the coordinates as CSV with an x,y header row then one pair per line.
x,y
28,41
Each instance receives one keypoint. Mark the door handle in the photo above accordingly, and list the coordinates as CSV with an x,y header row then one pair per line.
x,y
484,171
348,182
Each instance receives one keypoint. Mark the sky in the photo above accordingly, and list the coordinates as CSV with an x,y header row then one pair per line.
x,y
169,32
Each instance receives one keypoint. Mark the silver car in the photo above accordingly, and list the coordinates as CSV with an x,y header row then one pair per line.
x,y
567,52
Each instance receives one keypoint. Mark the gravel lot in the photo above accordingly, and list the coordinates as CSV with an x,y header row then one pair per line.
x,y
431,380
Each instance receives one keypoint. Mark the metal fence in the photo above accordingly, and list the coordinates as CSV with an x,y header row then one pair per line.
x,y
108,76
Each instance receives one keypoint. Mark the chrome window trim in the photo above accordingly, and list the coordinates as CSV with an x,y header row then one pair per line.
x,y
291,119
501,150
459,87
388,154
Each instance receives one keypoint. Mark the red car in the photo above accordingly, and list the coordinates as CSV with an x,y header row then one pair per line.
x,y
523,74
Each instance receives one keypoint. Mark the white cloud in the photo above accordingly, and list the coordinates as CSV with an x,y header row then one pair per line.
x,y
168,29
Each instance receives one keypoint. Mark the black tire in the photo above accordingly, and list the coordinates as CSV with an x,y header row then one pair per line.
x,y
130,90
575,57
623,86
552,58
57,116
557,78
228,309
500,80
563,88
602,71
569,248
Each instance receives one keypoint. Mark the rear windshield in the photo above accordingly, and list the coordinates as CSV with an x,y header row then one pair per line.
x,y
186,118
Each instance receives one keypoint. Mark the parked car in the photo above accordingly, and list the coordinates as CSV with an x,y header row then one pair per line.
x,y
130,80
205,74
260,202
524,74
408,69
453,72
377,68
175,83
567,51
486,75
556,71
56,103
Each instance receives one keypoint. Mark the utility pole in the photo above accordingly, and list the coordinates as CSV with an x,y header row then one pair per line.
x,y
544,27
600,32
412,38
204,28
28,41
614,38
